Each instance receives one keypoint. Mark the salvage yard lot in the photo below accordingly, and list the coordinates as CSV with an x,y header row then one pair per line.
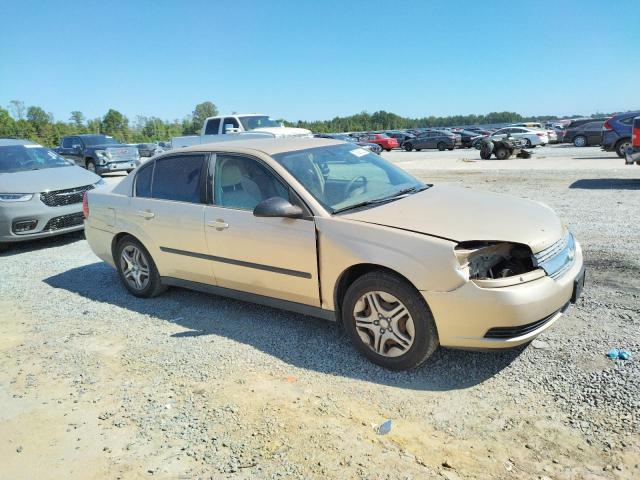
x,y
96,383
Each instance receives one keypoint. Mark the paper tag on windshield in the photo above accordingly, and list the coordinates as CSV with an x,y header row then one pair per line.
x,y
32,145
359,152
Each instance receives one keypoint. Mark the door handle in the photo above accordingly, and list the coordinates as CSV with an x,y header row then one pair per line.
x,y
218,224
146,214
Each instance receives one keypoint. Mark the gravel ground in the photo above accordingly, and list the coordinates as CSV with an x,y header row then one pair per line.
x,y
98,384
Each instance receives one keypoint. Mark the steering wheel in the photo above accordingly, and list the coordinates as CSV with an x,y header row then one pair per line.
x,y
352,185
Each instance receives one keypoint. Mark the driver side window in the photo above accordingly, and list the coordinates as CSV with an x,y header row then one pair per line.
x,y
242,183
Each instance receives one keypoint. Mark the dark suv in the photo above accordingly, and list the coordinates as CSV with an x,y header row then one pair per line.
x,y
616,132
99,153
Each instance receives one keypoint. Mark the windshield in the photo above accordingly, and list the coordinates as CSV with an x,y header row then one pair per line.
x,y
258,121
92,140
341,176
22,158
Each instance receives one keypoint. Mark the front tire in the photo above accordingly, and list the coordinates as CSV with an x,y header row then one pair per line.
x,y
441,146
90,165
408,147
388,321
527,143
137,269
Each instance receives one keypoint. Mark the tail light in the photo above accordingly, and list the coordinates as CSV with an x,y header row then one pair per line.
x,y
607,125
85,206
635,133
541,134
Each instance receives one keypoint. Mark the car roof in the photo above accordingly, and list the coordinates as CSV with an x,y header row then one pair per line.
x,y
10,142
270,146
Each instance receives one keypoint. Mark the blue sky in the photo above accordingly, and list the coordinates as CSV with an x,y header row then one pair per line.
x,y
313,60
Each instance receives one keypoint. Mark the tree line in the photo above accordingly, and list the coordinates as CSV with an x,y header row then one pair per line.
x,y
34,123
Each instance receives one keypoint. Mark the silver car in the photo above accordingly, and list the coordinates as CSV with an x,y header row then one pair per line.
x,y
40,192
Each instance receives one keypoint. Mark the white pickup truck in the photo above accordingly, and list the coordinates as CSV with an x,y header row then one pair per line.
x,y
238,127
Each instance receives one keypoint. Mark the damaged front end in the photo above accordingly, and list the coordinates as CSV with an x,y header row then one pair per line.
x,y
497,264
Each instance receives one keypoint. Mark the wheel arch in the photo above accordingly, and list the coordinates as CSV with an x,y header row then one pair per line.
x,y
350,275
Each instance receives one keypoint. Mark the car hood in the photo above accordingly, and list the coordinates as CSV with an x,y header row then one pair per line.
x,y
462,214
34,181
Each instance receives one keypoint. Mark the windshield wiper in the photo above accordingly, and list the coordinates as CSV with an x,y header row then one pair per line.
x,y
378,201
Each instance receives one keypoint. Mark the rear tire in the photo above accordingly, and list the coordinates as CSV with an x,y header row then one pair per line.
x,y
580,141
621,146
408,147
441,146
148,284
90,165
502,153
527,143
415,329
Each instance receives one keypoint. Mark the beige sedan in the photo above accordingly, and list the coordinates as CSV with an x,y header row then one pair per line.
x,y
325,228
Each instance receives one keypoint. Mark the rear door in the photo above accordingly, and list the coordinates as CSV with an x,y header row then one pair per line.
x,y
168,205
593,132
274,257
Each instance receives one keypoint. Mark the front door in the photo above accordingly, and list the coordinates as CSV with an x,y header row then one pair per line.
x,y
71,149
275,257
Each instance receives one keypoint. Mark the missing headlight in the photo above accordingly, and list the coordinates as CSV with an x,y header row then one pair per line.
x,y
492,260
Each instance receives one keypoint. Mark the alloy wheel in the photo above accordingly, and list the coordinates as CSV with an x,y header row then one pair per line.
x,y
384,324
135,267
580,141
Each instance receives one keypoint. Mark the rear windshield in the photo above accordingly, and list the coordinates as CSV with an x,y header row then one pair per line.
x,y
21,158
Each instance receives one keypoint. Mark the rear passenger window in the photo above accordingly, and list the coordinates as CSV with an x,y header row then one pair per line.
x,y
143,182
213,127
178,178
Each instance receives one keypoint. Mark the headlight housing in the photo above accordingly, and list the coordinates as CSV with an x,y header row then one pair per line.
x,y
99,183
103,156
497,264
15,197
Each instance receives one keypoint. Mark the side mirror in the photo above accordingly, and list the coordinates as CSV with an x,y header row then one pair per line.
x,y
277,207
76,149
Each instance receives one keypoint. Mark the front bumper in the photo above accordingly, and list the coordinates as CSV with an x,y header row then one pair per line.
x,y
632,155
117,166
50,221
467,316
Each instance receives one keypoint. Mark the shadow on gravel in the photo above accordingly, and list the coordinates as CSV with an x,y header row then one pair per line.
x,y
298,340
32,245
607,184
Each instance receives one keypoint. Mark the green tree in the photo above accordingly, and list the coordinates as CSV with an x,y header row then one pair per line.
x,y
18,108
200,114
7,124
116,124
77,118
38,117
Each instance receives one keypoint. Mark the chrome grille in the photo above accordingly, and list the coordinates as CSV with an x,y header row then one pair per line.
x,y
559,257
60,198
64,221
122,154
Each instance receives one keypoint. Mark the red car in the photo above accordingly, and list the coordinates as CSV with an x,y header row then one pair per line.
x,y
386,142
